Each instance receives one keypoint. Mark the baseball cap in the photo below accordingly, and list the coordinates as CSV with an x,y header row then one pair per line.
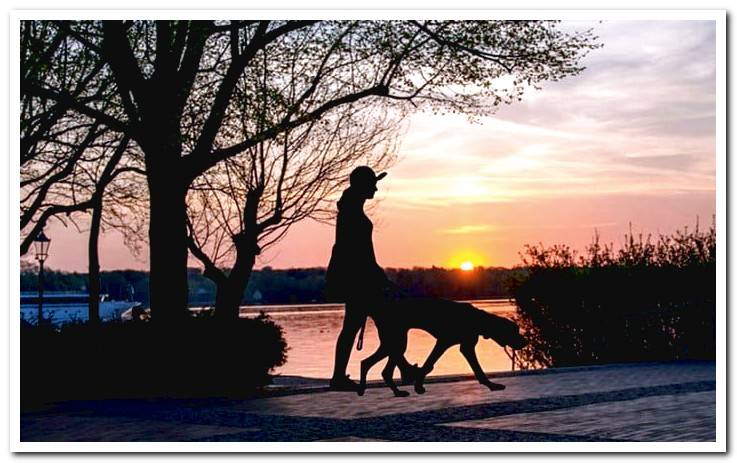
x,y
363,175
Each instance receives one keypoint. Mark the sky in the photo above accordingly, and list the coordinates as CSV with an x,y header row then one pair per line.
x,y
629,142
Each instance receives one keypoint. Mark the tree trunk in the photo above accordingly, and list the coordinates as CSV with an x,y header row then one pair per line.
x,y
230,290
94,262
167,247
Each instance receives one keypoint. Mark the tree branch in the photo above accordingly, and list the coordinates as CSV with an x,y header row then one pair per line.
x,y
260,40
28,214
118,53
105,178
197,34
194,166
225,90
70,102
211,271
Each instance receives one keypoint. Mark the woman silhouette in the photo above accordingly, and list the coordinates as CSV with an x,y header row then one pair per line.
x,y
353,275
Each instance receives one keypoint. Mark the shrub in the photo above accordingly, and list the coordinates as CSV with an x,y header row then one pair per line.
x,y
650,300
200,357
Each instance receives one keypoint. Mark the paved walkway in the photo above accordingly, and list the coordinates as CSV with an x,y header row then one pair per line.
x,y
631,402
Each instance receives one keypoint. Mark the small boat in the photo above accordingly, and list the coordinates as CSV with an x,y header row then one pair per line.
x,y
61,307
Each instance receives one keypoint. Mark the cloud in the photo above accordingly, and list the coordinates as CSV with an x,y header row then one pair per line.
x,y
631,139
648,74
468,229
639,120
680,162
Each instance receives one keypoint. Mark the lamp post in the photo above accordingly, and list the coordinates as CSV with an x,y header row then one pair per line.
x,y
41,245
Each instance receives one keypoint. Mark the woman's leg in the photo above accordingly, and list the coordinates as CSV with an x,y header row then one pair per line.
x,y
352,322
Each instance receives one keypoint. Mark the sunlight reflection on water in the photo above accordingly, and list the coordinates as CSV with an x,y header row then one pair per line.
x,y
311,333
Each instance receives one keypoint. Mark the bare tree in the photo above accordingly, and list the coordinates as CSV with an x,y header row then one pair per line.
x,y
94,172
171,87
247,203
68,159
119,183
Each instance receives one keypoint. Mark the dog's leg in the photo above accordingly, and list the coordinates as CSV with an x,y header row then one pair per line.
x,y
393,341
369,362
390,340
468,349
388,374
409,372
437,351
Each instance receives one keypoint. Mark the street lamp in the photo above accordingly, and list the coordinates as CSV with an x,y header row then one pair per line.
x,y
41,245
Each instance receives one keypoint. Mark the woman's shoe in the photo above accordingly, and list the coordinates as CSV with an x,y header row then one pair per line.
x,y
344,383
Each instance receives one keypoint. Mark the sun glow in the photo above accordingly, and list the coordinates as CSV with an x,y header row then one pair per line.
x,y
466,260
467,266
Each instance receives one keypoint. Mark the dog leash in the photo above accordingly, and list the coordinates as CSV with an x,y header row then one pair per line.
x,y
359,344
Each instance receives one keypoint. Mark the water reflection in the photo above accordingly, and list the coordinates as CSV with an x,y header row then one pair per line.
x,y
311,333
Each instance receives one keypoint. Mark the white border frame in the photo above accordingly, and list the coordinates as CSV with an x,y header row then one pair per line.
x,y
719,16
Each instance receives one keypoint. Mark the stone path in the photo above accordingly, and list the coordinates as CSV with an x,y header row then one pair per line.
x,y
632,402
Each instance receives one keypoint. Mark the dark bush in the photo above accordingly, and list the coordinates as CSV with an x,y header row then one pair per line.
x,y
646,301
200,357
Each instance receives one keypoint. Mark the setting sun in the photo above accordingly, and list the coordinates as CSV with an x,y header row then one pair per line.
x,y
466,260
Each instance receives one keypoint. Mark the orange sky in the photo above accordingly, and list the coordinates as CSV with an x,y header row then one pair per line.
x,y
630,140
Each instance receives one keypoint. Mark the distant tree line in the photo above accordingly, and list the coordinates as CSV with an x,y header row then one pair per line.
x,y
290,286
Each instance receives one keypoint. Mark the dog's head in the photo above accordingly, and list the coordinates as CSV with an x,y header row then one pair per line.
x,y
504,331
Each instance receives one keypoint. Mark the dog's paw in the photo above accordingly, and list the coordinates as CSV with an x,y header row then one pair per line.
x,y
401,393
496,387
410,375
419,388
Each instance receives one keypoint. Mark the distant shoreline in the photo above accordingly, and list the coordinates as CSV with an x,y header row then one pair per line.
x,y
329,307
284,287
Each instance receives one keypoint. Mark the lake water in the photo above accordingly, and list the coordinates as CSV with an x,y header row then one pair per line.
x,y
311,332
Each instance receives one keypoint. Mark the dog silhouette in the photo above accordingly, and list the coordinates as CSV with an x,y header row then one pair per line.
x,y
450,322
